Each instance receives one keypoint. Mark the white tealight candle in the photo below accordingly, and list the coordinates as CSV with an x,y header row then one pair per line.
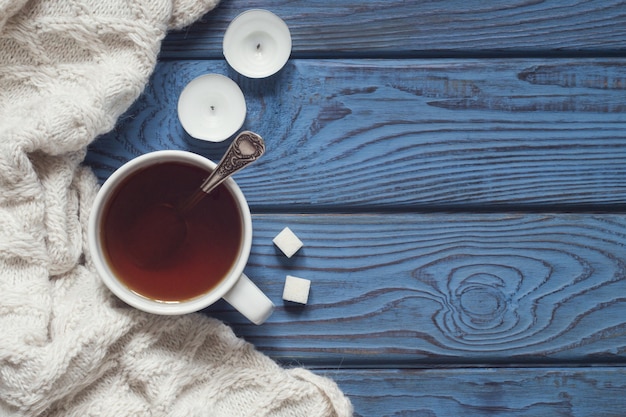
x,y
211,107
257,43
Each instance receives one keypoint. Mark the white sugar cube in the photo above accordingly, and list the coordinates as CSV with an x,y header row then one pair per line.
x,y
296,289
287,242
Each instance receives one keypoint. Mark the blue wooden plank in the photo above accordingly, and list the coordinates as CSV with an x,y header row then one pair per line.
x,y
505,392
411,290
397,28
410,135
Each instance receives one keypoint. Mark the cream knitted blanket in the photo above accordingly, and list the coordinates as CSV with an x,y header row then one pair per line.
x,y
68,69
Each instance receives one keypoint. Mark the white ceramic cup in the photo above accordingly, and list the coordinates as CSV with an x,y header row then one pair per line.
x,y
236,288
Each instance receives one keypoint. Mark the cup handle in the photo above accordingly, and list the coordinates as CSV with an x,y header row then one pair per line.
x,y
249,300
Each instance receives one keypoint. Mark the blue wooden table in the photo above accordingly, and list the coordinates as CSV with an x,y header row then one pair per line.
x,y
457,173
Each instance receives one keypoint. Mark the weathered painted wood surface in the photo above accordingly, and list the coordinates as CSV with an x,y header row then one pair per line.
x,y
443,289
453,134
532,392
456,171
399,28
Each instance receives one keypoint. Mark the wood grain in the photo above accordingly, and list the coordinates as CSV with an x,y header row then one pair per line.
x,y
410,290
410,135
457,173
502,392
396,28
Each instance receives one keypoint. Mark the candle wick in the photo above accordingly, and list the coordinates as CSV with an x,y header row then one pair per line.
x,y
258,46
212,108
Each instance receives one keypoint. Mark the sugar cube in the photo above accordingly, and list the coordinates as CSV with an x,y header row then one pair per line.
x,y
287,242
296,289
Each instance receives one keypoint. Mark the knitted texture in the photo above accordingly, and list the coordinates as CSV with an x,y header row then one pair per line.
x,y
68,347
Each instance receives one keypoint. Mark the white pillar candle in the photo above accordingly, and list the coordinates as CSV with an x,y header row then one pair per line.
x,y
211,107
257,43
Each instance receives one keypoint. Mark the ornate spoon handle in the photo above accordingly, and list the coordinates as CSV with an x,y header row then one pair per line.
x,y
246,148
